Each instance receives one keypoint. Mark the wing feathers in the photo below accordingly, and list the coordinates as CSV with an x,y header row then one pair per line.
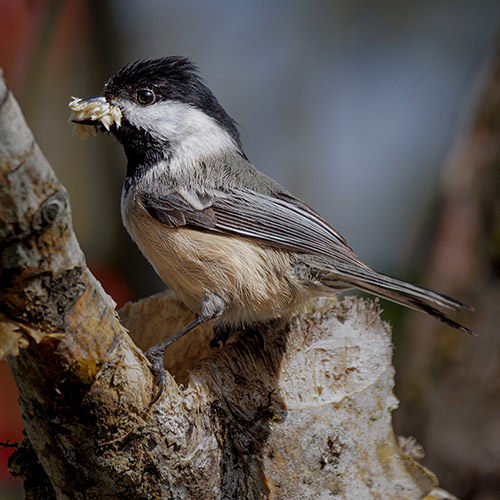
x,y
415,303
372,277
278,221
283,221
174,210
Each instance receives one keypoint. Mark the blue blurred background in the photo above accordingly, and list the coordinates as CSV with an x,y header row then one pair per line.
x,y
354,106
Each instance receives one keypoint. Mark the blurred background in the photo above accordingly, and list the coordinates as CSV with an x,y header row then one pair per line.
x,y
384,116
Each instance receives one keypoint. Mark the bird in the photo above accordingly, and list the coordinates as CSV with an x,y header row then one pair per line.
x,y
235,246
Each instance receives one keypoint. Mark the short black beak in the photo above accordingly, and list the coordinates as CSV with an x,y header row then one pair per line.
x,y
87,122
98,99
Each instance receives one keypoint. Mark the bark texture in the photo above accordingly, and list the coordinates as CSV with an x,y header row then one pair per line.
x,y
303,412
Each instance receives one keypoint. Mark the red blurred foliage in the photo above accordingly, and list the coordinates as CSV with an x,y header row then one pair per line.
x,y
113,282
17,29
11,424
38,31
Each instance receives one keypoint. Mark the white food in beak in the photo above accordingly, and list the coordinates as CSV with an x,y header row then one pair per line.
x,y
95,109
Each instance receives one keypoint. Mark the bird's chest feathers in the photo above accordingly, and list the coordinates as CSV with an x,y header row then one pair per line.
x,y
174,253
163,246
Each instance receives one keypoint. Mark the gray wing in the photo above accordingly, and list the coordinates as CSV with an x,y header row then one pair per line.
x,y
280,220
277,220
175,210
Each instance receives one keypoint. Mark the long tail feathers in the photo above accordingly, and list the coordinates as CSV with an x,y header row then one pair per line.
x,y
415,297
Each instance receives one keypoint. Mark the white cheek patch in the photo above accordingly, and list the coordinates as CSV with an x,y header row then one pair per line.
x,y
189,132
97,109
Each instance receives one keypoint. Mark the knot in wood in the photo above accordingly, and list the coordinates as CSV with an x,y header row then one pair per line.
x,y
49,211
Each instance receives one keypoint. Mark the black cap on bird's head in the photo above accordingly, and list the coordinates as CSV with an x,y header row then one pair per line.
x,y
173,78
151,104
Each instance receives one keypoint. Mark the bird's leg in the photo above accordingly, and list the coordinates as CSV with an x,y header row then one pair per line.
x,y
212,307
156,353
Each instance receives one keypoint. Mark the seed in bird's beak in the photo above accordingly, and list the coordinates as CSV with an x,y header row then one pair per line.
x,y
93,115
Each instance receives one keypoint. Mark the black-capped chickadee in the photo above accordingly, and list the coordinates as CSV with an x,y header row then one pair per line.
x,y
235,246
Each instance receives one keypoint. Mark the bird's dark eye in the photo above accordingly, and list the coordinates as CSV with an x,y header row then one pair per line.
x,y
145,96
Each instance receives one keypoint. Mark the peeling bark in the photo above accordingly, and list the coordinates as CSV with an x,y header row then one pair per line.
x,y
304,412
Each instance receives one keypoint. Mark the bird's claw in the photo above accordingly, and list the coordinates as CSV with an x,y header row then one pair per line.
x,y
155,357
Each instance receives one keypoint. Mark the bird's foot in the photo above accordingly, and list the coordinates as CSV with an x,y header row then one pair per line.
x,y
155,356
